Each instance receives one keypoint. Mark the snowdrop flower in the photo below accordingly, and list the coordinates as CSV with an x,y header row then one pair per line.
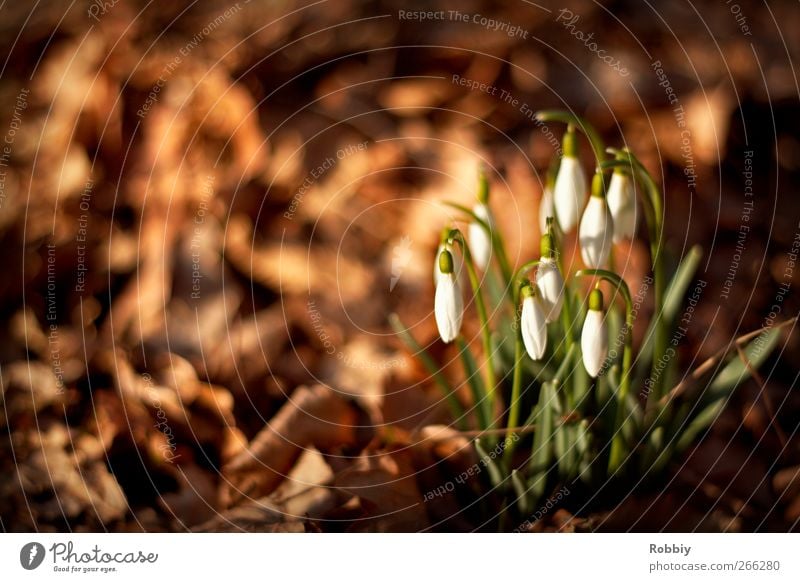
x,y
549,280
594,337
569,192
458,262
622,204
448,303
597,227
533,324
546,209
480,243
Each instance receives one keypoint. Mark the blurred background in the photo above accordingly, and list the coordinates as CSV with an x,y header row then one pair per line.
x,y
208,211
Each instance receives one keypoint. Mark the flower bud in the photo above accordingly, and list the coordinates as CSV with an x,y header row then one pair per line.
x,y
597,227
569,192
594,336
533,325
546,209
448,302
480,243
551,287
622,204
458,263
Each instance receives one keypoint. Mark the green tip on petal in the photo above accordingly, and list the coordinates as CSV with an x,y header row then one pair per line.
x,y
527,290
570,143
599,185
483,187
596,300
446,262
548,245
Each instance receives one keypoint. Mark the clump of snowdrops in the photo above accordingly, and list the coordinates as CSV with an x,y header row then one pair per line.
x,y
557,359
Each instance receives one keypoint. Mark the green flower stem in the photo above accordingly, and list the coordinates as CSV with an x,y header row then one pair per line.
x,y
654,213
580,123
566,322
516,385
476,385
513,413
491,383
566,317
498,246
617,439
518,276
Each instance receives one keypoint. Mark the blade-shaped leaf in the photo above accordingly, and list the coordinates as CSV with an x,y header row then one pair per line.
x,y
476,384
430,365
541,455
521,491
673,299
716,396
495,472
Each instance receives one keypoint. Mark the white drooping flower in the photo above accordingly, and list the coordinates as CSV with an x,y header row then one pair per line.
x,y
458,263
569,192
597,228
594,336
546,209
551,287
448,303
480,243
622,204
549,281
533,324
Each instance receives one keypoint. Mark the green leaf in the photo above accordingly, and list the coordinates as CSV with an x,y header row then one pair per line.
x,y
684,275
673,299
562,369
430,365
634,414
541,455
756,351
562,449
495,472
480,400
652,450
521,491
700,423
721,387
583,445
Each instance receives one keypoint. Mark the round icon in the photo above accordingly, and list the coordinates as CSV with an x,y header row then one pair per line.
x,y
31,555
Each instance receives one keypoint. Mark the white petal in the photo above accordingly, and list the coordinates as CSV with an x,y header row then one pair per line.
x,y
569,193
448,307
594,342
546,209
534,328
551,288
596,233
480,245
622,204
